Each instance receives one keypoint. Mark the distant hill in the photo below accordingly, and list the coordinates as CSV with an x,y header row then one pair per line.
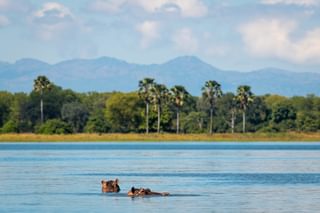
x,y
110,74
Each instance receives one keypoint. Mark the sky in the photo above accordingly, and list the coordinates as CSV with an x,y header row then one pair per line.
x,y
241,35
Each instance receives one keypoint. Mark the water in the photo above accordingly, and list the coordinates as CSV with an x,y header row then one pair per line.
x,y
201,177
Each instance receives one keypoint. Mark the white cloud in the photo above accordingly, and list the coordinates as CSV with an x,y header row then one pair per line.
x,y
4,21
149,31
52,19
273,38
187,8
184,40
309,47
54,10
292,2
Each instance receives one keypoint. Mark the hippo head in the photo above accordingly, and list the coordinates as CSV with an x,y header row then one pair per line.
x,y
139,192
144,191
110,186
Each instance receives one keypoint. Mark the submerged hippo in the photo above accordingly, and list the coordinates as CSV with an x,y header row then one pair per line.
x,y
144,191
110,186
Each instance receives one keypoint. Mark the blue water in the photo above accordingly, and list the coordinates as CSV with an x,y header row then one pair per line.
x,y
201,177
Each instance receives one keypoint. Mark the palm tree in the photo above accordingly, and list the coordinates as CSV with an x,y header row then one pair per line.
x,y
41,84
233,111
145,86
159,94
178,96
211,92
244,97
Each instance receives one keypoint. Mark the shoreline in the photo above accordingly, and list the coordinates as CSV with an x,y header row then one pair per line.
x,y
166,137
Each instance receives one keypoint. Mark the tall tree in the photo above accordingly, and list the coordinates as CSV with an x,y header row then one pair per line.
x,y
178,96
6,100
233,111
244,97
41,84
284,115
159,94
76,114
211,92
145,86
123,112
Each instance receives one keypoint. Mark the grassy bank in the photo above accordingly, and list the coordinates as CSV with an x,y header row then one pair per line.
x,y
161,137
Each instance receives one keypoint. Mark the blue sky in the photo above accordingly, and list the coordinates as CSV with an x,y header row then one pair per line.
x,y
232,34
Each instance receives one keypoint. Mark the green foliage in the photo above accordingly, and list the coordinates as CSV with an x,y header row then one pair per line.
x,y
67,111
194,122
76,114
202,105
258,115
211,92
53,101
272,100
123,112
19,112
97,123
10,127
284,116
226,110
308,121
94,101
283,111
5,102
166,119
269,129
145,92
178,96
145,89
190,105
303,103
54,126
41,83
244,97
159,96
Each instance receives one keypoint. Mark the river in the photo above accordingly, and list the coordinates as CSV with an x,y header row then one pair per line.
x,y
201,177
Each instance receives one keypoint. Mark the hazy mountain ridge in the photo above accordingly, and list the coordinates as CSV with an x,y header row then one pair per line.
x,y
110,74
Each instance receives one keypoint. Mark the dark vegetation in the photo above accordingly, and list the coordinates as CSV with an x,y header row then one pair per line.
x,y
49,109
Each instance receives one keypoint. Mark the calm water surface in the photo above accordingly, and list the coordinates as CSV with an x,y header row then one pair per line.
x,y
201,177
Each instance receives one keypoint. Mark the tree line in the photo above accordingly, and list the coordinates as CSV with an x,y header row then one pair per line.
x,y
50,109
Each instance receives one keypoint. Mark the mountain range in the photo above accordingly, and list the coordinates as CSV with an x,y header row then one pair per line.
x,y
110,74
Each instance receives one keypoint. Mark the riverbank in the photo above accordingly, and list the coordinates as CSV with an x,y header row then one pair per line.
x,y
293,136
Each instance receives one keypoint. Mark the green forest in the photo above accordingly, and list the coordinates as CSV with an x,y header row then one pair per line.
x,y
155,108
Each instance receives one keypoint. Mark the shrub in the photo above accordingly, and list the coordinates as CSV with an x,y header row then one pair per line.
x,y
54,126
97,124
10,127
270,129
308,122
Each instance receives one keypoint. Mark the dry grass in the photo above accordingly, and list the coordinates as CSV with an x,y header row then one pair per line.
x,y
293,136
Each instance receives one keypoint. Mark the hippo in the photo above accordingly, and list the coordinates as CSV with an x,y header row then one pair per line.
x,y
144,192
110,186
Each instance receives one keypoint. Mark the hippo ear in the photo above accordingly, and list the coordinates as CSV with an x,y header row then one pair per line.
x,y
116,181
102,181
